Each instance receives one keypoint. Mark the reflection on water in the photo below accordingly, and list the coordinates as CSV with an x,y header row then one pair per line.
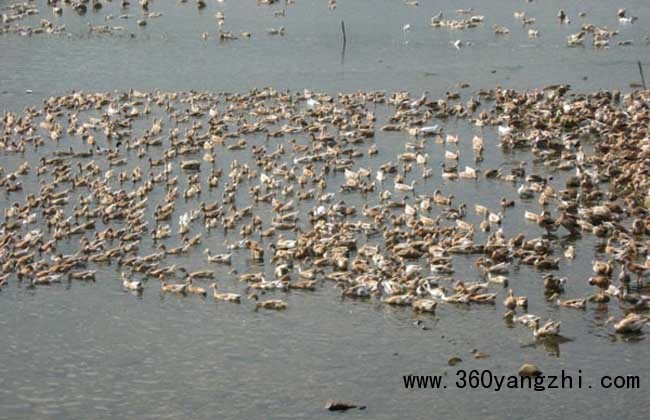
x,y
86,348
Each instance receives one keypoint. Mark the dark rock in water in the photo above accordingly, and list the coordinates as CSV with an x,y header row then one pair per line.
x,y
529,369
335,405
454,360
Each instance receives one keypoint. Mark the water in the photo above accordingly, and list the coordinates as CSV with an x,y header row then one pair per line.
x,y
92,351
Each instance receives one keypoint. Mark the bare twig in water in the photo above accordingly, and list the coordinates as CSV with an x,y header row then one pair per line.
x,y
344,41
638,62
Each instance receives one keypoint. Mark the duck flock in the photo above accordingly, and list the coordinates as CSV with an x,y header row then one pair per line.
x,y
142,181
15,20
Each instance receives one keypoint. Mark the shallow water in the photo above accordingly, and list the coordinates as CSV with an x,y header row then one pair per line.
x,y
92,351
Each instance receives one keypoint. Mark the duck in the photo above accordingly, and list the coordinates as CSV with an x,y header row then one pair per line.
x,y
485,224
303,285
553,284
495,218
398,300
487,267
483,298
401,187
497,279
505,203
191,165
449,155
570,252
640,270
458,298
357,291
469,173
455,214
600,281
256,251
525,192
522,301
133,285
510,302
173,251
424,305
529,320
549,329
449,172
477,144
624,277
46,280
546,263
470,288
308,274
180,289
272,304
481,210
602,268
83,275
200,274
444,268
545,221
195,290
282,270
632,323
441,200
276,31
225,297
219,258
580,303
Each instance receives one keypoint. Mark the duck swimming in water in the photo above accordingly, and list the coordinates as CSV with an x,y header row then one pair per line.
x,y
632,323
549,329
219,258
180,289
226,297
195,290
133,285
272,304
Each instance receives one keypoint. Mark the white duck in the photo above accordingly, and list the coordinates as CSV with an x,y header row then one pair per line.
x,y
399,186
550,329
134,285
219,258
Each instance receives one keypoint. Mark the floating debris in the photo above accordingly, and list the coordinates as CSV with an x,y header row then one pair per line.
x,y
337,405
454,360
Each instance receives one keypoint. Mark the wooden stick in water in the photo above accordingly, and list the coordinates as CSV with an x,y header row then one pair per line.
x,y
638,62
344,42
